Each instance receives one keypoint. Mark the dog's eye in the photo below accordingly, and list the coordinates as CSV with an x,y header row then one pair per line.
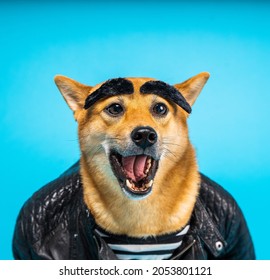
x,y
114,109
160,109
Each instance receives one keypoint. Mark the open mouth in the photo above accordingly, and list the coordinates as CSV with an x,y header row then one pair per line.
x,y
135,173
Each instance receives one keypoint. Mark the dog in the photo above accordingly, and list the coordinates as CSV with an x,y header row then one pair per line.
x,y
138,147
140,182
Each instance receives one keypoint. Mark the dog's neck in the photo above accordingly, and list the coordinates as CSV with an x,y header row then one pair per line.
x,y
166,210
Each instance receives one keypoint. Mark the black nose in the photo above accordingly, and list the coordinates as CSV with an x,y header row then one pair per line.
x,y
144,136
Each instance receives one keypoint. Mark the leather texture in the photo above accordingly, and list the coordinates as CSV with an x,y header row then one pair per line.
x,y
56,224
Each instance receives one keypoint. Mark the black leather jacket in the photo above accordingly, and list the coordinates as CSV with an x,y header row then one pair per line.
x,y
56,224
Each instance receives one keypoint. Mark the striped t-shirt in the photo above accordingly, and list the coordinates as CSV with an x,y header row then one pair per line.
x,y
146,248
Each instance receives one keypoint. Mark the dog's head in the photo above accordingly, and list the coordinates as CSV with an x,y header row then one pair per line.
x,y
132,131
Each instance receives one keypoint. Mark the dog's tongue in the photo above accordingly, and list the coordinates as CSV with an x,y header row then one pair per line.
x,y
134,167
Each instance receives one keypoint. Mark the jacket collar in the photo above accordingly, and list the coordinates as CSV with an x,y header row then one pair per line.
x,y
201,225
205,227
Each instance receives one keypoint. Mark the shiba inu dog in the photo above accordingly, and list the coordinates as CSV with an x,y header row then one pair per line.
x,y
136,192
138,168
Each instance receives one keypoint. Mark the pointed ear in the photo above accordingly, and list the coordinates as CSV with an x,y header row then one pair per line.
x,y
73,92
192,87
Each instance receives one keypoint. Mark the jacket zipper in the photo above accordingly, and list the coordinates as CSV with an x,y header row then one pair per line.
x,y
183,251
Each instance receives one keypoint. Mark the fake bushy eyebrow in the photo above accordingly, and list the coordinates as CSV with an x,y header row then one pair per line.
x,y
167,92
110,88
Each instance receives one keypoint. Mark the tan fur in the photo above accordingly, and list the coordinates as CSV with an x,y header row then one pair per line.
x,y
176,184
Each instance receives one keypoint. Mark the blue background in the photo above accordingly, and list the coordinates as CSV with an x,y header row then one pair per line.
x,y
170,41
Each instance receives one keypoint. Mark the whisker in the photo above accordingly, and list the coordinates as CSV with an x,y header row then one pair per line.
x,y
115,138
169,143
170,158
168,151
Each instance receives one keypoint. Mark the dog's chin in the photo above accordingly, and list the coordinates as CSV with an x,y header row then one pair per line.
x,y
134,188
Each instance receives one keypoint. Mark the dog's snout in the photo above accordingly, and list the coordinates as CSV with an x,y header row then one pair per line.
x,y
144,136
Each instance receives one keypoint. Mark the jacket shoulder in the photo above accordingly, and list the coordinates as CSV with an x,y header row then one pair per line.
x,y
217,201
46,210
49,202
228,218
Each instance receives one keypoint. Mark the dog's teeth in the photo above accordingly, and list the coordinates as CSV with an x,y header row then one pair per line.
x,y
147,166
148,185
129,184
